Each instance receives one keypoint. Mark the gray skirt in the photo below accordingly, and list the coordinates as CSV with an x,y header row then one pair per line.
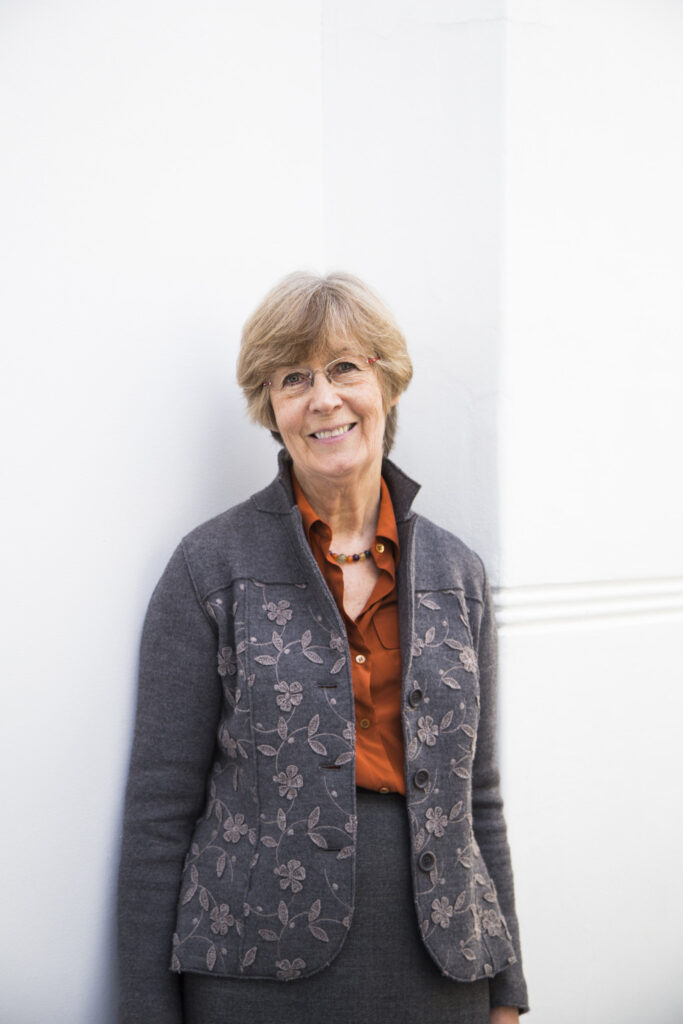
x,y
383,971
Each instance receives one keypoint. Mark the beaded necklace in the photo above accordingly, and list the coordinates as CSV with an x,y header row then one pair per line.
x,y
360,557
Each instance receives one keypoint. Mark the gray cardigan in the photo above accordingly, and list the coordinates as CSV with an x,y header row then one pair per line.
x,y
240,806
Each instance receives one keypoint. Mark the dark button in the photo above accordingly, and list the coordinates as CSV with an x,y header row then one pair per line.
x,y
415,698
427,860
421,778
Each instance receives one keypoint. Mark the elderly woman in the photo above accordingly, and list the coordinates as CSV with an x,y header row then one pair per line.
x,y
314,829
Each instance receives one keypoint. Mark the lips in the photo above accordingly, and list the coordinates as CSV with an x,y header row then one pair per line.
x,y
323,435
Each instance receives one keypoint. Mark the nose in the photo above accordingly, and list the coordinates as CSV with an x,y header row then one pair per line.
x,y
323,396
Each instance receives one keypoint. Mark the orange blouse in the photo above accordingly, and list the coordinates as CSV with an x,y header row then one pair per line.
x,y
374,643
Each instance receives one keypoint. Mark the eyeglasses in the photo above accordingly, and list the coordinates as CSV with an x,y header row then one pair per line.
x,y
343,371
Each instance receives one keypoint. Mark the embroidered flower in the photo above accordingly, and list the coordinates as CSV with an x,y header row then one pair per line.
x,y
468,659
291,874
221,919
289,781
491,923
336,643
227,664
418,644
347,732
287,970
442,912
427,730
234,828
279,613
436,821
291,695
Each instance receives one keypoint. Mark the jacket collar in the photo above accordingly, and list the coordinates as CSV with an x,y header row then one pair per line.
x,y
278,498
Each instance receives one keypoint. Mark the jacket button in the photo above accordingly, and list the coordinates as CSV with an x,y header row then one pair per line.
x,y
427,860
415,698
421,778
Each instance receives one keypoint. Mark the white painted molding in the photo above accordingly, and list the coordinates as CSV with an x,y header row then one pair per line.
x,y
595,602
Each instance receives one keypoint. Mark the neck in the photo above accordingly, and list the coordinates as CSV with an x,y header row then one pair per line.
x,y
349,507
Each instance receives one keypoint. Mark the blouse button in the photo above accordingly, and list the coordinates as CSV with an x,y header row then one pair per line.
x,y
360,658
384,789
379,548
427,860
364,723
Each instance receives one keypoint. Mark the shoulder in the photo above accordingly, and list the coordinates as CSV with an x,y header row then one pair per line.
x,y
444,562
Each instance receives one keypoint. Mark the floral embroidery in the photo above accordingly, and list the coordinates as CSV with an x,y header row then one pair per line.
x,y
279,613
468,659
427,730
227,664
291,694
436,821
234,828
287,970
491,923
289,781
221,919
442,912
291,874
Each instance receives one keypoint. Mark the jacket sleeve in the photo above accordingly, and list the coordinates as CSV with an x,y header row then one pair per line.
x,y
507,988
178,707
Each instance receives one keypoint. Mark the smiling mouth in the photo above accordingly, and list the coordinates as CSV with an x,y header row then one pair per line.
x,y
321,435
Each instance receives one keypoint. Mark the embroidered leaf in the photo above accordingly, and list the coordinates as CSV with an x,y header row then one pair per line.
x,y
420,839
175,963
453,644
318,932
429,635
220,864
266,934
283,913
453,683
346,851
338,665
306,639
281,819
313,725
194,874
412,749
468,954
313,656
313,817
490,897
446,720
480,879
249,957
265,659
242,751
195,850
204,898
318,840
314,911
189,893
466,862
277,641
424,926
468,730
461,772
211,957
455,810
345,757
268,841
241,647
460,902
428,602
267,750
319,747
218,811
282,728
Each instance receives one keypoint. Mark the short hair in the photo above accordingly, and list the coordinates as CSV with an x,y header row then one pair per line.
x,y
300,318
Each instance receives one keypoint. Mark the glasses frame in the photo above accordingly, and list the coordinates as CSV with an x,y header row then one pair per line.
x,y
371,360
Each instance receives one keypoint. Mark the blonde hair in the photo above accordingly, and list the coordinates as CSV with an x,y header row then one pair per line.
x,y
303,316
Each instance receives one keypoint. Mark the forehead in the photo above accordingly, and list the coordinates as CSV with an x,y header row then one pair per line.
x,y
323,353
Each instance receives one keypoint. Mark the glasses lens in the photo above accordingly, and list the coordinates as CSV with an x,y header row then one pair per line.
x,y
293,382
347,370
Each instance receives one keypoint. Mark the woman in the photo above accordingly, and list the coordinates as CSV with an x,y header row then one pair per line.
x,y
314,829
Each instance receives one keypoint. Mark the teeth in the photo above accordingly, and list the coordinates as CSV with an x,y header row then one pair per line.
x,y
333,433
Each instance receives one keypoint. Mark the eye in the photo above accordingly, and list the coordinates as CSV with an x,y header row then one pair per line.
x,y
344,368
294,379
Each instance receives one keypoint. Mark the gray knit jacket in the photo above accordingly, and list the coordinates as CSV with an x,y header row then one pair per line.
x,y
240,806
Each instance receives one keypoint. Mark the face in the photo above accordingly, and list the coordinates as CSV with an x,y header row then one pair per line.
x,y
333,433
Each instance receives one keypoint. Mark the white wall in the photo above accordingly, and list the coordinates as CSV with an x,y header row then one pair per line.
x,y
507,175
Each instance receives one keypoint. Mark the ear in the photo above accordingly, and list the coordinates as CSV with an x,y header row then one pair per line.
x,y
394,401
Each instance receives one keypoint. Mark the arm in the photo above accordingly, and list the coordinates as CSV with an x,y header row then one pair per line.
x,y
508,988
175,727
